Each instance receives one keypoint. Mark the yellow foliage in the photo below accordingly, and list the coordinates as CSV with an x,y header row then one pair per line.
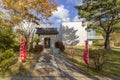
x,y
21,9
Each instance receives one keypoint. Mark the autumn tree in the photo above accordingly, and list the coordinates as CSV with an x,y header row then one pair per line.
x,y
34,10
13,12
101,15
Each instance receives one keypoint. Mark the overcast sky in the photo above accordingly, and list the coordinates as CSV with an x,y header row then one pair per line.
x,y
65,12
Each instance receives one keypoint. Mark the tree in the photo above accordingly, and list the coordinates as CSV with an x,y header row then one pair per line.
x,y
33,10
101,15
27,29
6,38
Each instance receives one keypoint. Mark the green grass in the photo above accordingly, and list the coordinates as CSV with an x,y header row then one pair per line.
x,y
21,68
110,68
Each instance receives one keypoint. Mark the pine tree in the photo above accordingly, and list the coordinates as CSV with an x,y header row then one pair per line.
x,y
101,15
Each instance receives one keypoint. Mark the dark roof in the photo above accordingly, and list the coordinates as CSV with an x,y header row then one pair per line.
x,y
44,31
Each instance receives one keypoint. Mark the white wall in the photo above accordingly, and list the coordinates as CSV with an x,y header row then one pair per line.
x,y
52,40
72,33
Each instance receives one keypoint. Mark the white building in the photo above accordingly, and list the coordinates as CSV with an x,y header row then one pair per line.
x,y
48,38
74,34
70,33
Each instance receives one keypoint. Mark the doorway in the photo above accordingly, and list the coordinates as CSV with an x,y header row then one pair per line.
x,y
47,42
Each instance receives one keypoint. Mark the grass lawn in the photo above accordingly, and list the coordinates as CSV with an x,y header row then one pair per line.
x,y
110,68
21,68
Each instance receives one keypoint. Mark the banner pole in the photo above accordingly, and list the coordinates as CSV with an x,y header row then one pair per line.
x,y
88,51
20,49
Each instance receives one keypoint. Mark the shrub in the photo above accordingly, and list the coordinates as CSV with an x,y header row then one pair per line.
x,y
6,59
6,63
60,45
98,43
39,48
16,46
118,44
7,54
36,39
99,57
6,37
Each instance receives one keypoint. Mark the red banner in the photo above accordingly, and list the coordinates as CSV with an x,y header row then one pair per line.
x,y
22,49
86,53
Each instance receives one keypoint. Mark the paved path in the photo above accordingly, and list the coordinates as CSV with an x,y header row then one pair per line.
x,y
56,67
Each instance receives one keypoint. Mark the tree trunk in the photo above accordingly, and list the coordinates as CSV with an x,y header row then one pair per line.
x,y
28,45
107,41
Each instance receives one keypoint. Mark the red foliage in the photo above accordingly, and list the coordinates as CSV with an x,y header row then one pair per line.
x,y
60,45
39,48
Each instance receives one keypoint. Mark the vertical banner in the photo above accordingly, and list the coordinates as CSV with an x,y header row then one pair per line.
x,y
86,53
23,50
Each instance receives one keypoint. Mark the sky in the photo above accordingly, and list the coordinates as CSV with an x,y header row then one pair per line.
x,y
65,12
